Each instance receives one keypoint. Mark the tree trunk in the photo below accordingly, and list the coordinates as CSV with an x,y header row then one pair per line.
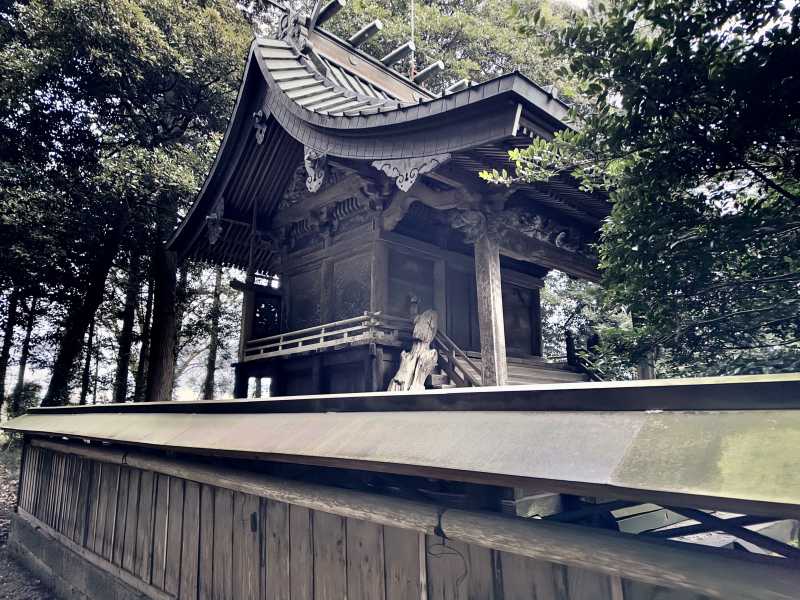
x,y
126,333
181,294
8,339
23,359
144,352
82,313
96,369
160,378
211,363
87,365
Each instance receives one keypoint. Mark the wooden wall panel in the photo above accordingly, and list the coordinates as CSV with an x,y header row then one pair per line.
x,y
205,570
301,554
366,578
401,549
223,544
447,567
144,527
93,501
160,522
190,540
131,521
110,510
527,579
330,558
246,547
583,584
276,533
198,541
172,560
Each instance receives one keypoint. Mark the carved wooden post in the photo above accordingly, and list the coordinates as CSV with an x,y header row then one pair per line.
x,y
490,311
418,363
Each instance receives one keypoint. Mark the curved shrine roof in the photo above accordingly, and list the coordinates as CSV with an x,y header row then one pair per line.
x,y
315,92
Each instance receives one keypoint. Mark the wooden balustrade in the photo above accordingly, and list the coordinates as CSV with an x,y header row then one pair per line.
x,y
364,329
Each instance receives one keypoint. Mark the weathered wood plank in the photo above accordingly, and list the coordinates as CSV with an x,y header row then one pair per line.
x,y
28,476
44,486
144,527
58,490
70,482
330,560
40,487
366,579
480,573
107,478
583,584
447,568
276,532
131,521
109,522
120,519
246,550
481,580
50,483
99,516
635,590
402,560
223,544
301,539
94,503
190,541
529,579
160,521
172,564
24,476
205,575
79,534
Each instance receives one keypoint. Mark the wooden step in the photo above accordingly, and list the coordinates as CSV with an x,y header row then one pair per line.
x,y
533,370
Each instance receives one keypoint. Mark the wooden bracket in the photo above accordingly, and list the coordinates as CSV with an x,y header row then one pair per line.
x,y
405,171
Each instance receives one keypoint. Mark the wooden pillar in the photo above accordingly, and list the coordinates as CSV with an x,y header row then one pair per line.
x,y
490,311
440,292
248,309
240,381
536,322
379,277
327,296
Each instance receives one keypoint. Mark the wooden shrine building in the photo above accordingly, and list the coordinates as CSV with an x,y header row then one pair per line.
x,y
349,193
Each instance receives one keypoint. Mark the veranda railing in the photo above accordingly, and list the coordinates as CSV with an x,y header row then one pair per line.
x,y
367,328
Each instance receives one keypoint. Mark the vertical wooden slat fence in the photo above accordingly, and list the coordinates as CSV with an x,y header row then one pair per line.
x,y
192,540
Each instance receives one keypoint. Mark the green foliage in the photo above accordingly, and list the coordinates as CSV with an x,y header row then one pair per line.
x,y
29,397
579,307
110,115
472,38
693,132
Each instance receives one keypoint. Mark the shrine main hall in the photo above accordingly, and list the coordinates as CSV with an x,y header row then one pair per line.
x,y
349,194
